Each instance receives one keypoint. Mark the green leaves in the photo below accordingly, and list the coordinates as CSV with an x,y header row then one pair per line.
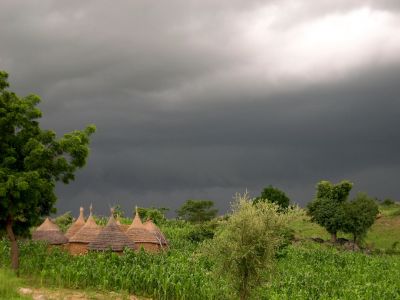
x,y
327,209
245,246
33,159
274,195
332,211
197,211
360,215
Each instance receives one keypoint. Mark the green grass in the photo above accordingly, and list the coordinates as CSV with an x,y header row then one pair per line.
x,y
9,285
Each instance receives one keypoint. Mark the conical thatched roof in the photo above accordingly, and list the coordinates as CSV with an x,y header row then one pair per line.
x,y
150,226
88,232
124,227
78,224
50,232
137,222
111,237
139,234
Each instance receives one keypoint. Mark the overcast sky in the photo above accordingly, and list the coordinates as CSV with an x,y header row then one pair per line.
x,y
202,99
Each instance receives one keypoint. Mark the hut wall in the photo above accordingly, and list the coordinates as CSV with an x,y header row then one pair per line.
x,y
77,248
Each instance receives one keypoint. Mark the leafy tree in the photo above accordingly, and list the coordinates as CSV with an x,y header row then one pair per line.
x,y
327,209
360,215
245,246
388,202
197,211
157,215
64,221
274,195
118,212
32,160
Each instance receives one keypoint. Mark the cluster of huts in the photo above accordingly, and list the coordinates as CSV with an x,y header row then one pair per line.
x,y
83,236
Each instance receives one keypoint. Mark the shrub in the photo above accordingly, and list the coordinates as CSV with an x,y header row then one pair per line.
x,y
246,245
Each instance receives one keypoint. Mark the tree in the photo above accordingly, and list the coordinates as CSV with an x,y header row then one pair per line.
x,y
157,215
197,211
274,195
118,212
327,209
245,246
32,160
64,221
360,215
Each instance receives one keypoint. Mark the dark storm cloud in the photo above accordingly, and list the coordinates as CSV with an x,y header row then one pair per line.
x,y
184,108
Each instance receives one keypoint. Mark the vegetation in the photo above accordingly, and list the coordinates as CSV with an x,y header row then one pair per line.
x,y
157,215
197,211
359,216
302,270
245,246
274,195
64,221
306,271
32,160
9,285
327,209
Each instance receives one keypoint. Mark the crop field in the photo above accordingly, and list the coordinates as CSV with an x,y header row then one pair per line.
x,y
305,270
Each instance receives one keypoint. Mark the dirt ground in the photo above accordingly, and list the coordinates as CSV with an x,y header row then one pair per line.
x,y
68,294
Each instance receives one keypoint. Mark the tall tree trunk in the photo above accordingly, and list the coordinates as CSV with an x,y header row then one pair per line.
x,y
333,237
14,245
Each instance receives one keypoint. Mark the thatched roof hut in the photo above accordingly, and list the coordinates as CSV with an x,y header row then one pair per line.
x,y
124,227
49,232
141,236
87,234
153,228
111,237
78,224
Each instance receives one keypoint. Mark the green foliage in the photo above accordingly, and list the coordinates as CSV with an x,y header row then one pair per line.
x,y
325,273
274,195
200,233
64,221
176,274
197,211
360,215
305,271
157,215
327,209
388,202
246,244
9,285
32,160
118,211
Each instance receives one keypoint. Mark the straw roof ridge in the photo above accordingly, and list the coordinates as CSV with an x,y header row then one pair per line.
x,y
88,232
141,235
137,222
50,232
78,224
150,226
111,237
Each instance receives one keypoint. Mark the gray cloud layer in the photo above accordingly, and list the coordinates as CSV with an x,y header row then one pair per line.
x,y
188,107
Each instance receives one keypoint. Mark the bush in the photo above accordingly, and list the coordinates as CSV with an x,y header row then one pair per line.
x,y
200,233
388,202
246,245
